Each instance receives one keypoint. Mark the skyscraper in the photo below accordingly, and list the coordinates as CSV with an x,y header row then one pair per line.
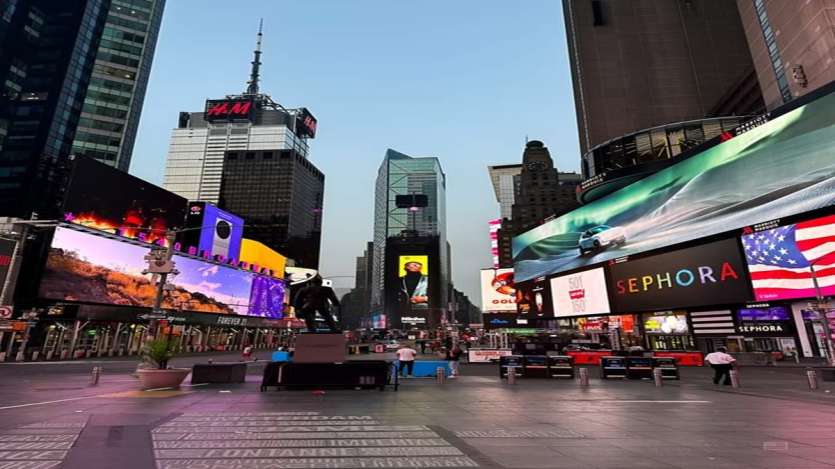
x,y
400,175
250,121
47,51
541,192
652,79
791,44
113,104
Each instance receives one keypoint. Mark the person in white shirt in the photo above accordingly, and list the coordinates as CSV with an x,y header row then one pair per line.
x,y
721,363
406,355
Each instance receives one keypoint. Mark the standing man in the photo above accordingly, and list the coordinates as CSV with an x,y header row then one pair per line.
x,y
313,298
721,362
406,356
414,288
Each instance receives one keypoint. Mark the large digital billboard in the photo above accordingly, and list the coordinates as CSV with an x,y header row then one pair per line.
x,y
709,274
580,294
498,292
213,231
86,268
780,168
783,260
413,283
106,199
533,298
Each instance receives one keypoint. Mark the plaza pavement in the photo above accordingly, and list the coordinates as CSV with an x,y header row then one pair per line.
x,y
50,416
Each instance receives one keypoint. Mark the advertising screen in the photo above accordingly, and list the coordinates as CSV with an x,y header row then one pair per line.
x,y
497,290
82,267
106,199
709,274
765,313
783,167
534,298
666,323
213,230
413,284
580,294
781,260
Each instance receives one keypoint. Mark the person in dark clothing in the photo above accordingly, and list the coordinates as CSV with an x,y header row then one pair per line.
x,y
315,298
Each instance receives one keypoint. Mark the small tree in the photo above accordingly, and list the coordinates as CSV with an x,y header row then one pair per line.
x,y
157,352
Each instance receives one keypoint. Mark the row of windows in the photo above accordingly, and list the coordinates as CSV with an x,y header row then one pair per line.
x,y
90,108
96,82
108,98
120,46
96,139
125,23
773,51
117,59
100,125
119,35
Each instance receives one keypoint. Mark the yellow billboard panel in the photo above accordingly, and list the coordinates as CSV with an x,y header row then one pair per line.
x,y
257,253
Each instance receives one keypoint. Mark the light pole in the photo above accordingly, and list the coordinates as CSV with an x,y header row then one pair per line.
x,y
830,350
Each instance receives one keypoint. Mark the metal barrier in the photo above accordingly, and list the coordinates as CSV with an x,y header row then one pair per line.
x,y
583,376
95,375
812,377
511,375
734,374
658,377
440,375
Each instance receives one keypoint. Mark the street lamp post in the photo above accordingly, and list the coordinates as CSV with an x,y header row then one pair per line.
x,y
830,349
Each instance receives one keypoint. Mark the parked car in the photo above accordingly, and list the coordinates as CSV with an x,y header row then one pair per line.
x,y
601,237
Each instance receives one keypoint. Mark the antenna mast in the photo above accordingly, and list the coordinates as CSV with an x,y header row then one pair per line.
x,y
252,87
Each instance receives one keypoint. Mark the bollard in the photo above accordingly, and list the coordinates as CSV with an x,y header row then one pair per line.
x,y
94,376
734,374
440,375
511,375
812,376
2,356
583,376
658,377
35,355
210,361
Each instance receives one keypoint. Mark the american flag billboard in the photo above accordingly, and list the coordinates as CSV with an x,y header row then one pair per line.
x,y
783,260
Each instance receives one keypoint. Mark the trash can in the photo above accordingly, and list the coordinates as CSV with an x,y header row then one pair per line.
x,y
639,367
668,367
560,366
613,367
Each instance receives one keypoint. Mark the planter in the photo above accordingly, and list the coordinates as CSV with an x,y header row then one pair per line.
x,y
152,379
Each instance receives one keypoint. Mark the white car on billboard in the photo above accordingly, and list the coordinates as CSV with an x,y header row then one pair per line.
x,y
601,237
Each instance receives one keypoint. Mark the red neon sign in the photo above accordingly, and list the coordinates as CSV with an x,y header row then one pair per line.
x,y
228,108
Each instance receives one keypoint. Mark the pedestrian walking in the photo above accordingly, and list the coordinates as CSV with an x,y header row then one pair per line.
x,y
453,357
247,353
406,356
422,347
721,362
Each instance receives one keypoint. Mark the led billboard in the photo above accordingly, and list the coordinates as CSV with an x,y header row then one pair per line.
x,y
213,231
533,297
782,260
580,294
413,283
497,290
106,199
780,168
709,274
82,267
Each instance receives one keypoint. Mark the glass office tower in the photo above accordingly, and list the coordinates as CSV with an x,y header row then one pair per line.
x,y
112,107
401,174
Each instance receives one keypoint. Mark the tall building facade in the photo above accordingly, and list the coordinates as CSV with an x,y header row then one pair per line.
x,y
400,174
792,44
541,192
653,78
280,195
47,51
250,121
113,104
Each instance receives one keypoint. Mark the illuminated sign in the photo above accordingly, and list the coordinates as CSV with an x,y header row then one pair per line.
x,y
227,109
704,275
580,294
306,124
497,290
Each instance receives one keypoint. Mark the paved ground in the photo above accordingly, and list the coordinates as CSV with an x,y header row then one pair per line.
x,y
51,417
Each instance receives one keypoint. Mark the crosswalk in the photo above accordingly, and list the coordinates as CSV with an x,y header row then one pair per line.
x,y
298,440
38,445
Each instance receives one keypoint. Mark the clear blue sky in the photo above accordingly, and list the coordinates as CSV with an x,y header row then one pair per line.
x,y
464,80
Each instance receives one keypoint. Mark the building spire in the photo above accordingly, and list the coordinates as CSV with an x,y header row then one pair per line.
x,y
252,87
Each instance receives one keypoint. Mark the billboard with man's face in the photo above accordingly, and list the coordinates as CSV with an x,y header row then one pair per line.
x,y
413,283
783,167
